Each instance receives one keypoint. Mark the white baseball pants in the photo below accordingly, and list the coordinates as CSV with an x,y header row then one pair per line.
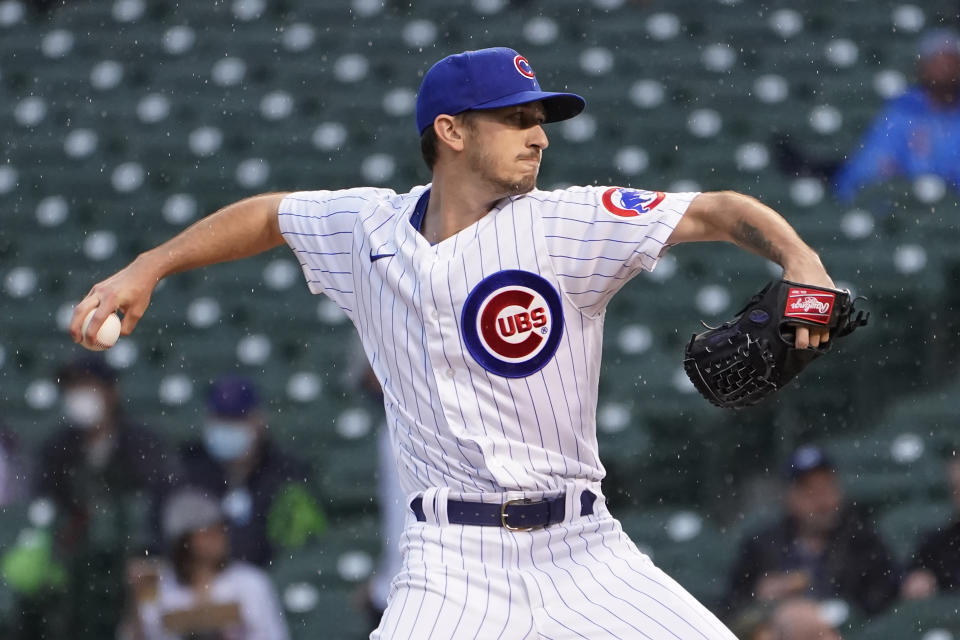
x,y
582,578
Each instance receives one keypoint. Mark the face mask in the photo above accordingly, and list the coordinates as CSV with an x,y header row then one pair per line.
x,y
84,408
227,441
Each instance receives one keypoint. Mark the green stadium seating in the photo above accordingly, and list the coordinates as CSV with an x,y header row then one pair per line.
x,y
914,621
903,526
688,547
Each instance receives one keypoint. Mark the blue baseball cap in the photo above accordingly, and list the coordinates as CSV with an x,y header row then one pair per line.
x,y
805,459
232,397
487,79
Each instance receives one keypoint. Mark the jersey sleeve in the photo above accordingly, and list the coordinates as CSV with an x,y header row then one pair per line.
x,y
320,227
600,237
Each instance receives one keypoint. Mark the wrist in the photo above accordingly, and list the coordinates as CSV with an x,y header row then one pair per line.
x,y
806,268
802,257
154,263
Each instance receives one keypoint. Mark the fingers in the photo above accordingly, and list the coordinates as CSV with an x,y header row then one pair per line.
x,y
102,306
802,340
819,336
130,319
91,301
127,291
811,337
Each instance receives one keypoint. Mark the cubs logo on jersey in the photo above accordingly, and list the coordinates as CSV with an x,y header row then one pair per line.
x,y
512,322
629,203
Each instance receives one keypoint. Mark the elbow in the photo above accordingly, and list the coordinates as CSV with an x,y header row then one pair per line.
x,y
717,213
723,203
728,201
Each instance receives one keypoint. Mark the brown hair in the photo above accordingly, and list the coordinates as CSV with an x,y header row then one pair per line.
x,y
428,146
181,557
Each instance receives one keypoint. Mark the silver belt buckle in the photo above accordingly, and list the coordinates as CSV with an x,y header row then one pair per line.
x,y
503,515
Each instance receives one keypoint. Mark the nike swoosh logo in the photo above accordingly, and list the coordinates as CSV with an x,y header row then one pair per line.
x,y
376,256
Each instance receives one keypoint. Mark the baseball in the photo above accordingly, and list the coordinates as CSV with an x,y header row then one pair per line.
x,y
108,334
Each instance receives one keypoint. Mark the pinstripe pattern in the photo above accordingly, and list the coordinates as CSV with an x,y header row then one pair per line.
x,y
460,427
455,423
580,579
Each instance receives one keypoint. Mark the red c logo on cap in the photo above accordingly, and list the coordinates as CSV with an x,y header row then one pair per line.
x,y
523,66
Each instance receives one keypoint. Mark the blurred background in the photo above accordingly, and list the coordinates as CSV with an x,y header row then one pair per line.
x,y
124,121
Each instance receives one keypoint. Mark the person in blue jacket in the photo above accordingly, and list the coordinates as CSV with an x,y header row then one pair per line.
x,y
917,133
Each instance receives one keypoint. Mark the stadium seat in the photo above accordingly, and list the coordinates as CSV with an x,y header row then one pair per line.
x,y
920,620
688,546
319,583
903,526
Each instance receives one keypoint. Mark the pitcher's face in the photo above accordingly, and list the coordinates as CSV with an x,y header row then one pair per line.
x,y
504,146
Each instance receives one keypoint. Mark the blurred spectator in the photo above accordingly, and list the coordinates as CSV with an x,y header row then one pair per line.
x,y
916,134
100,476
753,622
13,480
265,493
197,591
821,547
801,619
935,566
919,132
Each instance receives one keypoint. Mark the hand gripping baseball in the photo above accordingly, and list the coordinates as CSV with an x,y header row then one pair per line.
x,y
127,291
744,360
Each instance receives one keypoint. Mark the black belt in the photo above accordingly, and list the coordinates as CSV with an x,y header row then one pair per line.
x,y
515,515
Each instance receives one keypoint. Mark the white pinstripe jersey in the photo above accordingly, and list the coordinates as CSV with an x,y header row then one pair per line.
x,y
488,343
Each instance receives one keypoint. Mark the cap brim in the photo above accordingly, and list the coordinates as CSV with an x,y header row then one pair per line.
x,y
557,106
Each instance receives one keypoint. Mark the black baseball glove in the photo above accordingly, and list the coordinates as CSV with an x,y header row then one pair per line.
x,y
741,362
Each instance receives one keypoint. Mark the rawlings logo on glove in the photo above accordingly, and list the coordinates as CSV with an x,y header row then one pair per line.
x,y
801,302
744,360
